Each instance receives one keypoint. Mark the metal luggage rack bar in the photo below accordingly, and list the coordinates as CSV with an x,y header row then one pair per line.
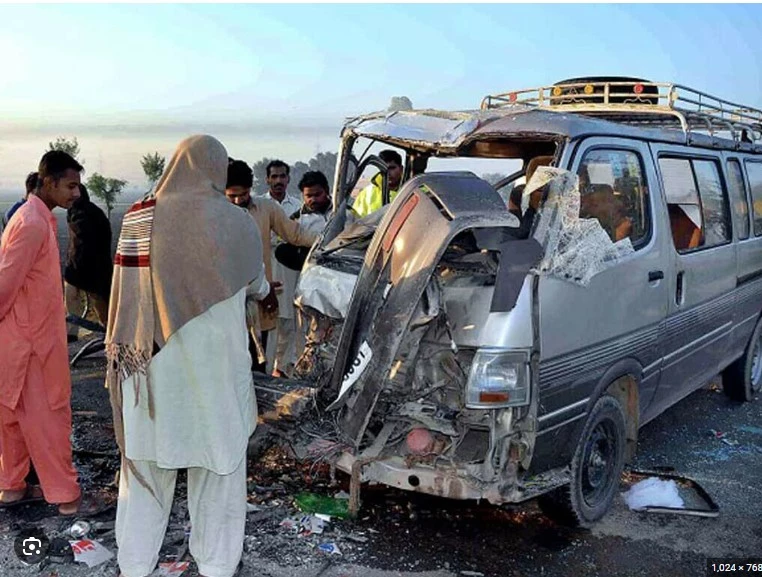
x,y
651,104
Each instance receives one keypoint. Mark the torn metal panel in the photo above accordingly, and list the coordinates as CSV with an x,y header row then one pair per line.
x,y
326,290
450,481
426,127
447,131
321,342
379,317
467,310
281,400
575,249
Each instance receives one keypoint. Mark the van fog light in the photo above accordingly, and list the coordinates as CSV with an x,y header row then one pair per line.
x,y
498,378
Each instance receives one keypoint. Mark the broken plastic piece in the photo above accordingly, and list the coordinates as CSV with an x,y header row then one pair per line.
x,y
312,524
171,569
92,553
330,548
653,492
311,503
79,529
711,510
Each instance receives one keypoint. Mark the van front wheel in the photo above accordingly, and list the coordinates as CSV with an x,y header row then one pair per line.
x,y
595,469
742,380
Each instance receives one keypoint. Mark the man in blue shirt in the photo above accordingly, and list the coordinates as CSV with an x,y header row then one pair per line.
x,y
31,186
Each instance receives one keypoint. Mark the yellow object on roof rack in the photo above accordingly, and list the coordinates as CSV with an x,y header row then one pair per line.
x,y
654,104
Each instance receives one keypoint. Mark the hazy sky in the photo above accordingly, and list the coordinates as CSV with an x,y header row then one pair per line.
x,y
278,80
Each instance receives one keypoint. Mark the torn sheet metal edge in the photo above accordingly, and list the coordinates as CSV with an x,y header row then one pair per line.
x,y
712,512
325,290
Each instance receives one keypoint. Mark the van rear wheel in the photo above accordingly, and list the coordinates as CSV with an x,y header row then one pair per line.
x,y
595,469
742,380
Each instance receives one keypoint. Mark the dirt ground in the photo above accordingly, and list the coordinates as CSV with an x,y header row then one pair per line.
x,y
715,442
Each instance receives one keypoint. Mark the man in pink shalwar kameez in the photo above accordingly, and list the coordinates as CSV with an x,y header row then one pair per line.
x,y
35,383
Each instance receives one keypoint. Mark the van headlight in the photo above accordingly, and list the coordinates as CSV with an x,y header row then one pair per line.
x,y
499,378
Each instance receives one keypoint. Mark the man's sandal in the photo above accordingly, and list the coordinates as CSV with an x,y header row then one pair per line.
x,y
32,494
89,506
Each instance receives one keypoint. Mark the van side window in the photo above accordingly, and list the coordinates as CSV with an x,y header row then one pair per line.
x,y
613,190
698,213
738,200
714,204
754,171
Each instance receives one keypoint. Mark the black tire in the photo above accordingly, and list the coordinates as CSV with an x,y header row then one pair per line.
x,y
742,380
595,469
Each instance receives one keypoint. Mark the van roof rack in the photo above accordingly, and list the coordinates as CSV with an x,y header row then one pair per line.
x,y
650,104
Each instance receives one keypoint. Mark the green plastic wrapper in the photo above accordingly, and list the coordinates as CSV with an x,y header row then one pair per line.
x,y
312,503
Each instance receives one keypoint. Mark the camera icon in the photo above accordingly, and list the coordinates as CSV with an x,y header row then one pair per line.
x,y
31,546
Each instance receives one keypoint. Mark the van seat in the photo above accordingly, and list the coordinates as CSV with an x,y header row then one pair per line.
x,y
685,234
599,201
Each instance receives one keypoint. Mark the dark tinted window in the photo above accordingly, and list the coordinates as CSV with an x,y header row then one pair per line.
x,y
737,192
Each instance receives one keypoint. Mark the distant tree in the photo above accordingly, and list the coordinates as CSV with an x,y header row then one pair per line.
x,y
493,177
153,166
400,103
259,169
69,146
325,162
107,189
297,172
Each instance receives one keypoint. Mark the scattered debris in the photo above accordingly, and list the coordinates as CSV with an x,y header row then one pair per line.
x,y
723,437
90,552
171,569
312,524
653,492
330,548
59,551
312,503
79,529
356,538
701,503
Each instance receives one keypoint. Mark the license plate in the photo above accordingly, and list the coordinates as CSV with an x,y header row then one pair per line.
x,y
364,355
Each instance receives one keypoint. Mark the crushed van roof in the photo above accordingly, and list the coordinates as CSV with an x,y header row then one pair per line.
x,y
447,131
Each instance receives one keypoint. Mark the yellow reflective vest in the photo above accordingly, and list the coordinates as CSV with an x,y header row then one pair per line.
x,y
369,199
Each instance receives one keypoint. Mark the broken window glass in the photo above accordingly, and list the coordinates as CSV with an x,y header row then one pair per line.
x,y
575,249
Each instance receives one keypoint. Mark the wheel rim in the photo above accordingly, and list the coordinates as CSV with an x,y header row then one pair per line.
x,y
599,462
756,365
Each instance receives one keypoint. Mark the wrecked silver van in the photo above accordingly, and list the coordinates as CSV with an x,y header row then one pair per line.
x,y
462,349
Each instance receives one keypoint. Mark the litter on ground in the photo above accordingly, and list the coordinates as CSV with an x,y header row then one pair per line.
x,y
653,492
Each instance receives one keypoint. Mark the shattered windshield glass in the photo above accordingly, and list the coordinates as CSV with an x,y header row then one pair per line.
x,y
575,249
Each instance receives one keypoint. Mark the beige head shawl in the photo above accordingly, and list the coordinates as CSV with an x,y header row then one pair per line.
x,y
180,252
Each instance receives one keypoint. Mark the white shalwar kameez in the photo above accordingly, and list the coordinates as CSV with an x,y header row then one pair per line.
x,y
205,410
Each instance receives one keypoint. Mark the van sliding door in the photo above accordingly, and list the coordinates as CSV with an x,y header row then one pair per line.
x,y
700,316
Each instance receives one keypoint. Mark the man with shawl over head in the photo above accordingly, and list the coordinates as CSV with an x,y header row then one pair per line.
x,y
179,369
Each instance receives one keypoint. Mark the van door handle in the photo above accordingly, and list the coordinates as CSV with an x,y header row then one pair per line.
x,y
655,275
680,288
